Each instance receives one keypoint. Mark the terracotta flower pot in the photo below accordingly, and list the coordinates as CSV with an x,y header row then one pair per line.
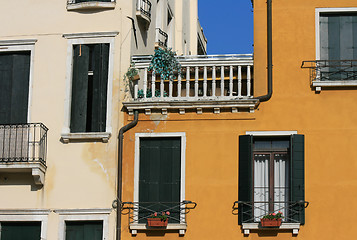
x,y
136,77
157,222
270,222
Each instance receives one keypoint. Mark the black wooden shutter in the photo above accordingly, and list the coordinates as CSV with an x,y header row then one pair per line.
x,y
100,63
79,88
245,184
159,176
14,87
297,177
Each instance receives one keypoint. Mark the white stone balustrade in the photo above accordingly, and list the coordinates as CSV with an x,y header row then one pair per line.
x,y
215,81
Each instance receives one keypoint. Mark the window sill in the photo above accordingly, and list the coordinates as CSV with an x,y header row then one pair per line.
x,y
81,137
90,5
319,84
181,227
247,227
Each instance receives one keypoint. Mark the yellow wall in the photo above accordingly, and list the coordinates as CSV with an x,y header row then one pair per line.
x,y
327,120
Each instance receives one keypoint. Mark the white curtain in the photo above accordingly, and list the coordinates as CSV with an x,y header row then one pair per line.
x,y
261,185
281,183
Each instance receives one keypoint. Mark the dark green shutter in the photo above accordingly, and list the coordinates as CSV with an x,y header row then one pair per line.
x,y
160,176
14,87
79,88
20,230
100,63
245,179
84,230
298,177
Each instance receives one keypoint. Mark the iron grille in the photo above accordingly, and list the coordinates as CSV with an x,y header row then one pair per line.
x,y
23,143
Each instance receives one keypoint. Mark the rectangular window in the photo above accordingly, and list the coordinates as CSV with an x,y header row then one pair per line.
x,y
271,177
89,87
160,177
14,86
84,230
20,230
338,46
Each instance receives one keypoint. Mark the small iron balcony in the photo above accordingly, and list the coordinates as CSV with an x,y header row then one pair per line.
x,y
161,38
143,10
138,213
332,73
24,146
89,4
250,213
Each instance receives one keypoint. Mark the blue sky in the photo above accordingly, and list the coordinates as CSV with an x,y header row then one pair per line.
x,y
228,25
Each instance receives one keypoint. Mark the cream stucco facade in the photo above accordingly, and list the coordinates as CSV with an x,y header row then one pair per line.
x,y
76,178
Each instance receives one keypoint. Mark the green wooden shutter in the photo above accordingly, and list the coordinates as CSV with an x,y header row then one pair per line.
x,y
160,175
245,178
20,230
14,87
5,88
84,230
79,88
20,87
100,63
297,177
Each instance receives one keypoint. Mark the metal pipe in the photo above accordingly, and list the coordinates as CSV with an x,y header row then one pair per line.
x,y
269,53
120,169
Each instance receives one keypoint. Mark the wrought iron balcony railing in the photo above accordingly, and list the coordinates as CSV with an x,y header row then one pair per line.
x,y
139,211
332,73
144,8
252,212
23,143
205,81
161,38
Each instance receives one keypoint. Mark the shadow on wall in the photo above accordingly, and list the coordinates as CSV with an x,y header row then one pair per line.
x,y
19,179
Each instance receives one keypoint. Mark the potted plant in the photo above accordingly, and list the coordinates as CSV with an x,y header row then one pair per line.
x,y
158,219
272,220
164,63
132,73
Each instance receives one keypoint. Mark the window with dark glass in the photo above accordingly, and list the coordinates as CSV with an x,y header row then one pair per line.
x,y
89,87
20,230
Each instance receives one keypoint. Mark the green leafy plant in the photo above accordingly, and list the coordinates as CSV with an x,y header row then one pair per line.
x,y
163,215
164,62
132,72
149,93
271,216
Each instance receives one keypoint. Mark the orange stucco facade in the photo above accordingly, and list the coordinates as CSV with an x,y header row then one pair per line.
x,y
326,119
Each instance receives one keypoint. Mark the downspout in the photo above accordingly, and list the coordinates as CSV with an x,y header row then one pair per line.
x,y
269,53
120,169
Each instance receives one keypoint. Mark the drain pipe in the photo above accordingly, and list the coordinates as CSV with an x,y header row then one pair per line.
x,y
120,169
269,53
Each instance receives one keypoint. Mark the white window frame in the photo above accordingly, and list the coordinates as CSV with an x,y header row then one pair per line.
x,y
88,38
319,84
82,215
182,135
20,46
247,227
26,216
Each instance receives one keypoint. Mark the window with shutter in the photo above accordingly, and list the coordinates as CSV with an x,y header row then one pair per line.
x,y
271,178
20,230
84,230
14,86
89,88
160,177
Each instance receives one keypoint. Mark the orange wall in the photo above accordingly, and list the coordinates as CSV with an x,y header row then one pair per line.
x,y
327,120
